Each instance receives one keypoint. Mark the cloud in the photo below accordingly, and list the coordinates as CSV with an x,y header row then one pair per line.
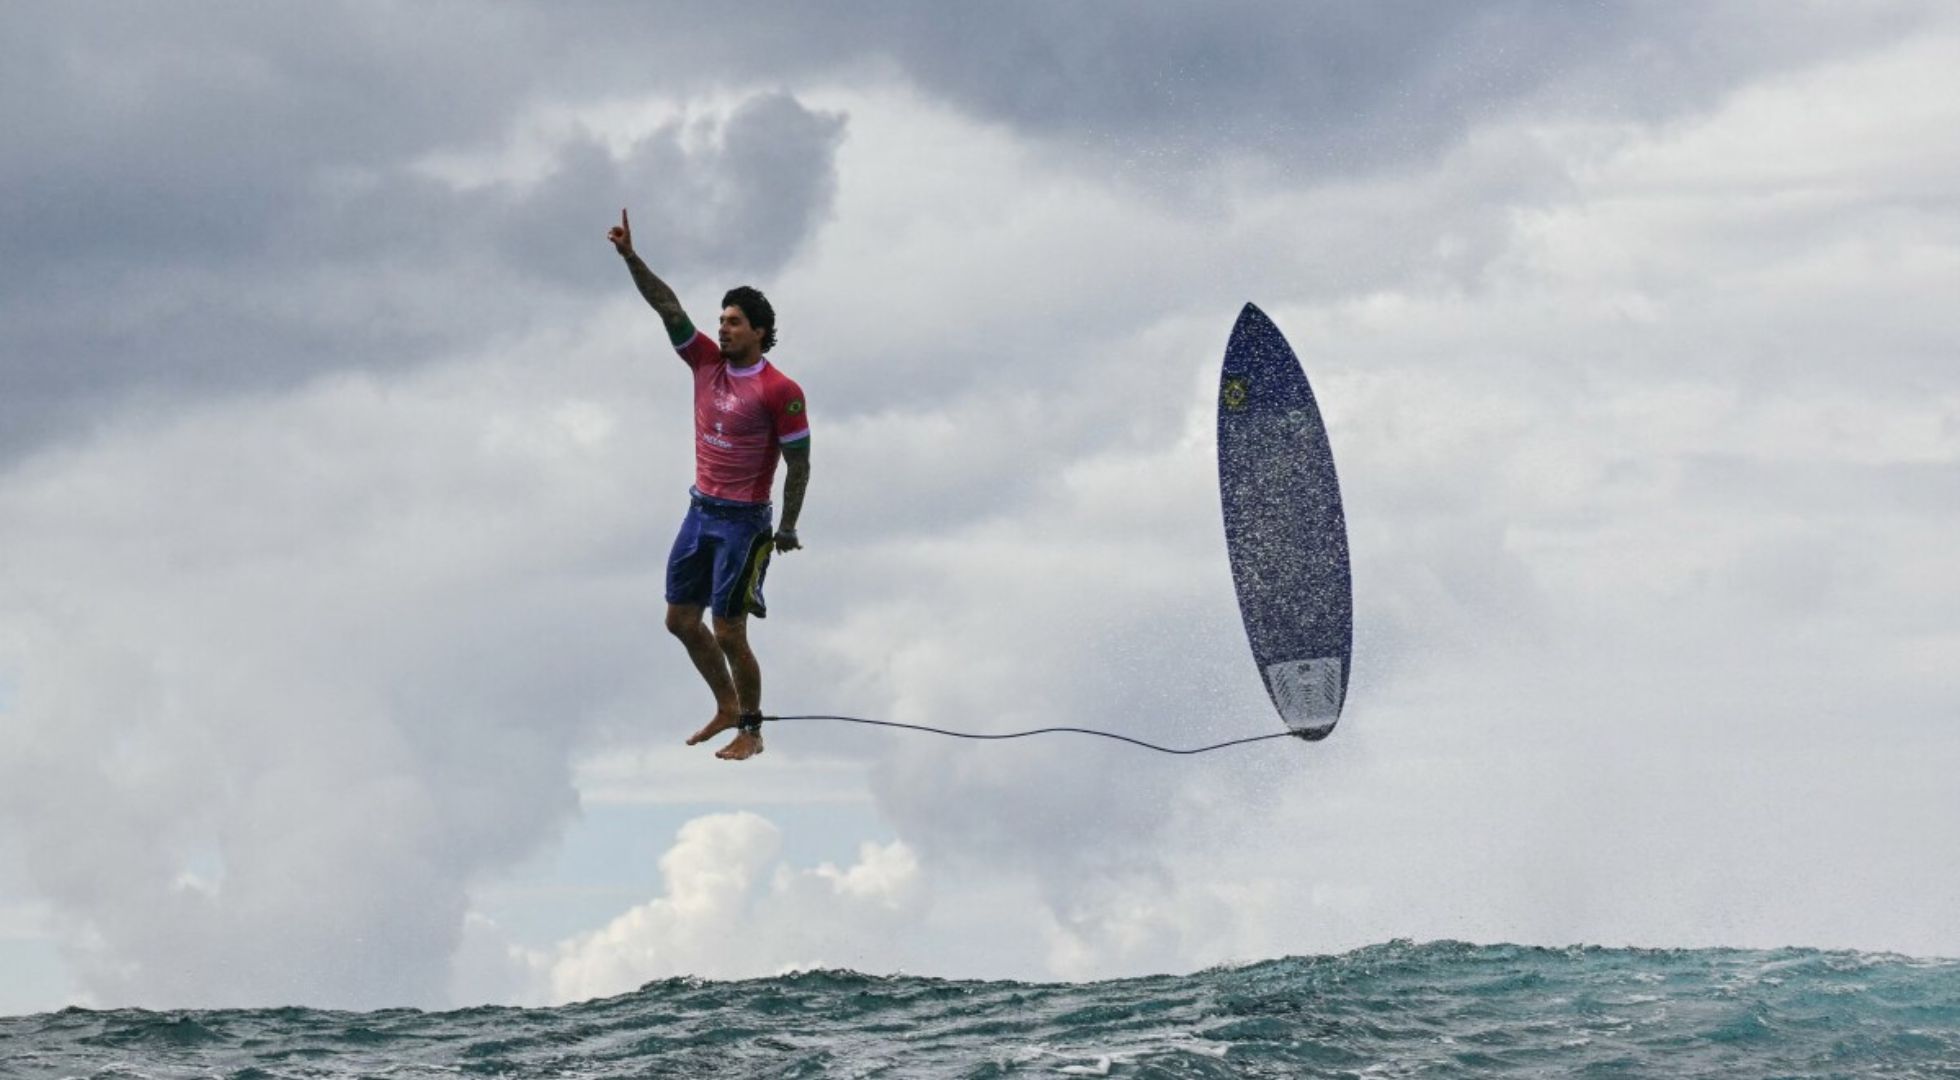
x,y
1647,430
738,193
223,217
731,909
1643,502
292,745
1320,89
217,199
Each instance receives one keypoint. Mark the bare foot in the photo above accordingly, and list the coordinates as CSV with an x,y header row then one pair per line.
x,y
742,747
724,719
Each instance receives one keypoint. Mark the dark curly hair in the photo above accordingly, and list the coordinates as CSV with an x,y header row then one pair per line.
x,y
755,307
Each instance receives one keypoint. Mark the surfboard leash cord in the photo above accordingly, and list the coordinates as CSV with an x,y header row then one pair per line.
x,y
1045,731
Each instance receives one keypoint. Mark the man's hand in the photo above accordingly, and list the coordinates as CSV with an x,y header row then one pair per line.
x,y
621,234
786,540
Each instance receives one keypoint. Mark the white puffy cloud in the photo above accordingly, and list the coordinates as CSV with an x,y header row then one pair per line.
x,y
731,908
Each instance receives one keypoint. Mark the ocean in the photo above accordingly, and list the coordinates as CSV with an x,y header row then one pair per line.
x,y
1441,1009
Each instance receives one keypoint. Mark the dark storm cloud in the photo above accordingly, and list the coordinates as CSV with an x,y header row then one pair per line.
x,y
1324,85
218,198
400,270
180,132
213,197
744,206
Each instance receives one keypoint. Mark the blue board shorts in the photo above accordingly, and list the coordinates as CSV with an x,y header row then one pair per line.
x,y
720,557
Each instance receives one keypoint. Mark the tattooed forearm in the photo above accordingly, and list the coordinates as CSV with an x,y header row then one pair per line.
x,y
794,484
659,295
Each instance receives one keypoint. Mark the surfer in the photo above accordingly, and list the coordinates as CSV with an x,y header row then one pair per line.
x,y
746,415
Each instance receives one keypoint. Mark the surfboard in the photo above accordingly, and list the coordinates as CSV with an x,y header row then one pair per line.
x,y
1284,529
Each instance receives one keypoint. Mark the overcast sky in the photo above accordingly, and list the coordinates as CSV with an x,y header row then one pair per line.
x,y
339,461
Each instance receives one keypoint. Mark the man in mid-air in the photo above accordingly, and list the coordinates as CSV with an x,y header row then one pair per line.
x,y
746,415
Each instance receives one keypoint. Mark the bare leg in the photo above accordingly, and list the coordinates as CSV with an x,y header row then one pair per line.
x,y
684,622
732,635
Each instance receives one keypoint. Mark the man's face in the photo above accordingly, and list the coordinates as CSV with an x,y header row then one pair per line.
x,y
739,341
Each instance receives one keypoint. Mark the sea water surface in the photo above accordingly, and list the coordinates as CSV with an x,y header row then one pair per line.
x,y
1401,1009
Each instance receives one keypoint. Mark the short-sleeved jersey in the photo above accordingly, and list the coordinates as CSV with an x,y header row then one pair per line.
x,y
742,419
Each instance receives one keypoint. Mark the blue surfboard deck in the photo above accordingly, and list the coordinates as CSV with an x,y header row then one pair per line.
x,y
1284,529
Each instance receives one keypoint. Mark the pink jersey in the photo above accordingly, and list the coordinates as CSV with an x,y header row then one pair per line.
x,y
742,418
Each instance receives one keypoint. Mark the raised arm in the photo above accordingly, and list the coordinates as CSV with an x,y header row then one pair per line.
x,y
656,291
